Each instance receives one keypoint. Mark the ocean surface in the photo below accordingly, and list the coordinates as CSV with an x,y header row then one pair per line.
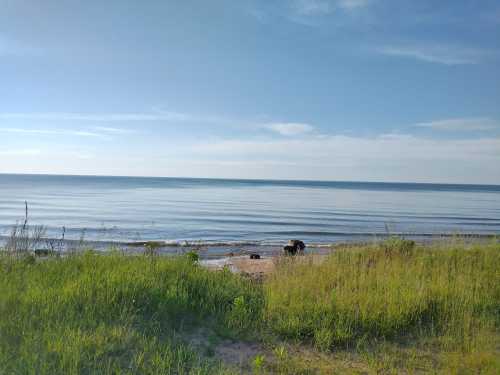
x,y
232,212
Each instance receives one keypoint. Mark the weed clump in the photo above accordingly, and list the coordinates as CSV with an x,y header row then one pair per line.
x,y
397,245
192,256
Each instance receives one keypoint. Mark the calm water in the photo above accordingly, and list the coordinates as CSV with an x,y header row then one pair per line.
x,y
267,212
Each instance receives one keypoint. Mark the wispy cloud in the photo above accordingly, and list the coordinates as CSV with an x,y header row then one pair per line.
x,y
319,7
461,124
79,133
156,115
439,54
352,4
289,128
384,157
306,12
95,128
97,117
387,157
312,7
112,130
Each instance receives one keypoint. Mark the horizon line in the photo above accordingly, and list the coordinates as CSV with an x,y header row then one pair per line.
x,y
249,179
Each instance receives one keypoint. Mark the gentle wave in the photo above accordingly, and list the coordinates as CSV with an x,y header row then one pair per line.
x,y
240,212
348,237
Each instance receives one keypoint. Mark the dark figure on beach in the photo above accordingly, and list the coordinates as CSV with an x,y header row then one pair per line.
x,y
294,247
254,256
42,252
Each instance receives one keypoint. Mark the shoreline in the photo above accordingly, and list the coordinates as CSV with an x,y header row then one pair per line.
x,y
210,250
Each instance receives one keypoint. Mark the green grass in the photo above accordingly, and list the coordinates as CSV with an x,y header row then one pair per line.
x,y
379,293
445,297
386,308
111,314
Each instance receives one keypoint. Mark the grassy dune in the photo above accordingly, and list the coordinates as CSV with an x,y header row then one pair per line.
x,y
112,314
445,298
387,308
361,294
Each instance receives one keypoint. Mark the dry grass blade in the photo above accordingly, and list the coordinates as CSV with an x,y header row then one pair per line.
x,y
25,238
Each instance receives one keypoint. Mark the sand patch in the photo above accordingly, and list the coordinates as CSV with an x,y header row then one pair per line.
x,y
242,264
237,354
258,268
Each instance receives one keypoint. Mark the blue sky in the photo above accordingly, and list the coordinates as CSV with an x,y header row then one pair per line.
x,y
378,90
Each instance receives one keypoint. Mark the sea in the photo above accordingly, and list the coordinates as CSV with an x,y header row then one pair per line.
x,y
236,214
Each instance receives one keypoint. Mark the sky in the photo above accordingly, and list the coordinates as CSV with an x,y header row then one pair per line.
x,y
359,90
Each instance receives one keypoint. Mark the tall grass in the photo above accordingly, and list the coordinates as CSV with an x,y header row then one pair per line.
x,y
117,314
391,292
24,238
112,314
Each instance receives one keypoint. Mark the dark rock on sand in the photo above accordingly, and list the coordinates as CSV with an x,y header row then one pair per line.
x,y
254,256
